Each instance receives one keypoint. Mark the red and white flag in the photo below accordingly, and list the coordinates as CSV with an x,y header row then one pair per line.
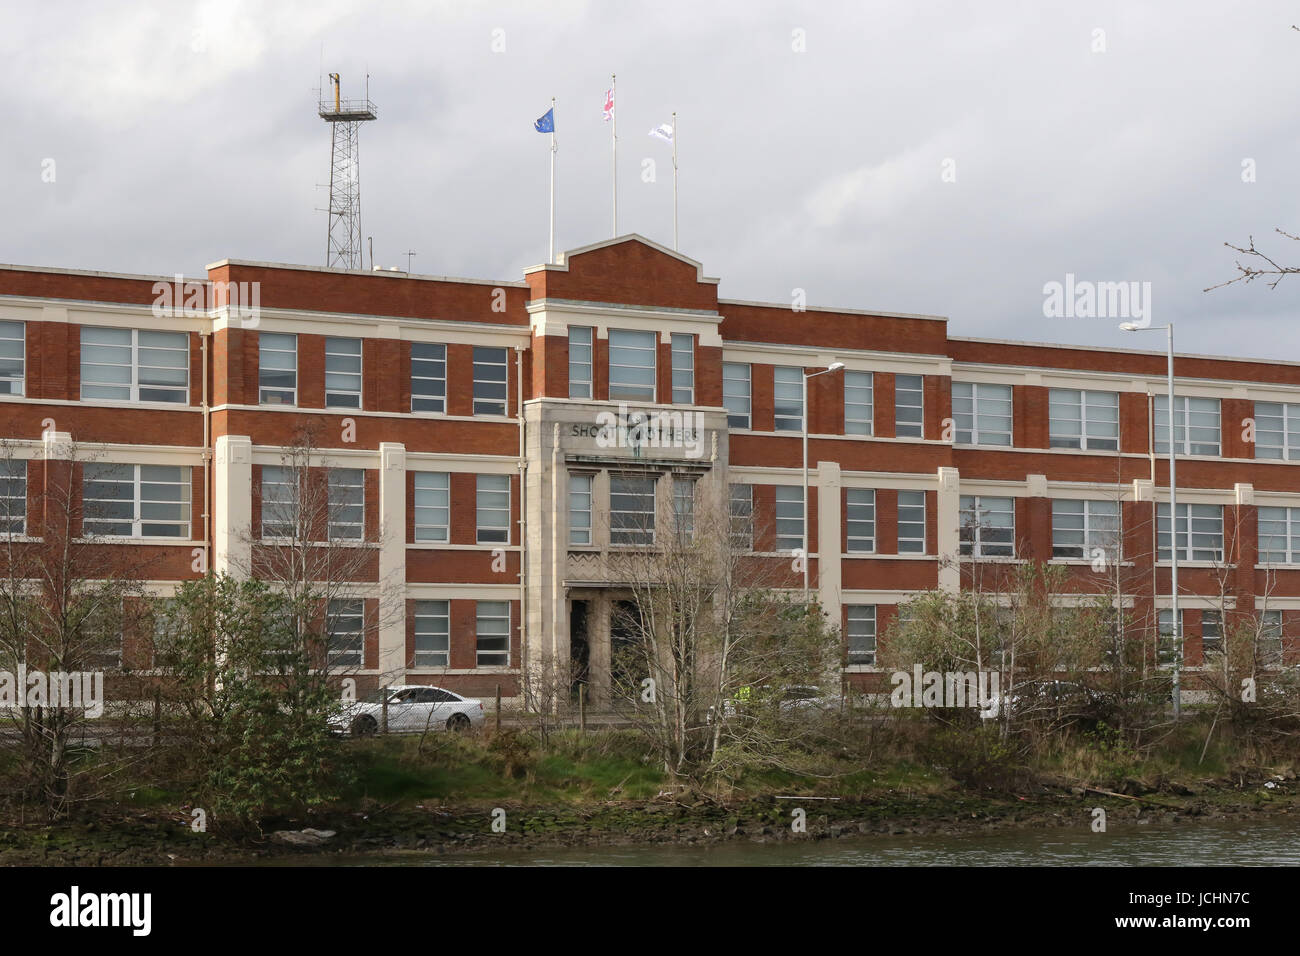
x,y
608,111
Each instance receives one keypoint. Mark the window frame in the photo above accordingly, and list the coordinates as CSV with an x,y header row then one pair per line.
x,y
911,522
15,481
1084,440
741,540
420,530
975,545
480,509
482,363
643,536
864,615
981,395
346,609
185,482
1290,519
1288,418
919,391
683,493
332,396
793,375
586,489
291,478
582,382
1184,445
428,610
1091,509
731,397
852,541
264,389
479,634
427,364
793,495
135,387
338,529
20,380
864,424
1187,553
620,390
681,362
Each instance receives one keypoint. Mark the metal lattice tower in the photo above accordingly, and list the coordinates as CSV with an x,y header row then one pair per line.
x,y
345,118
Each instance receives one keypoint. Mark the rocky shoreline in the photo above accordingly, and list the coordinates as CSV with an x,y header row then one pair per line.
x,y
163,840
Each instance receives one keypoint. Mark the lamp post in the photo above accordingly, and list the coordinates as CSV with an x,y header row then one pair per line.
x,y
1173,519
833,367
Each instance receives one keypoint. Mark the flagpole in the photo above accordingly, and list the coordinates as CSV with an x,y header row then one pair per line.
x,y
551,257
613,121
674,182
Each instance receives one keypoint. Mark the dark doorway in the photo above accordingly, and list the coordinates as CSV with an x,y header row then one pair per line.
x,y
626,663
579,647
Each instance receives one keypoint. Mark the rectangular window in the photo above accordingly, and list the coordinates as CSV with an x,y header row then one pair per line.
x,y
1277,431
432,506
580,509
735,394
1199,532
13,357
280,499
684,506
787,398
346,632
909,406
428,377
1081,528
1279,535
492,629
857,403
1083,419
632,365
1196,425
277,368
683,353
789,517
13,496
493,509
982,413
136,365
988,526
579,361
631,510
347,504
1167,640
342,373
432,634
1268,650
911,522
860,519
862,633
136,501
490,389
741,508
1211,633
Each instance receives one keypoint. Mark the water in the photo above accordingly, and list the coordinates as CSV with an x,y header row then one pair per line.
x,y
1248,843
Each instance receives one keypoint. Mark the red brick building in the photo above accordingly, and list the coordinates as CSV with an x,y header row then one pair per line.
x,y
459,421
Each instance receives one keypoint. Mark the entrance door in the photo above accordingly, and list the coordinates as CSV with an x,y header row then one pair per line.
x,y
579,647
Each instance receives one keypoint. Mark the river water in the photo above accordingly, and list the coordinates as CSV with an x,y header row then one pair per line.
x,y
1249,843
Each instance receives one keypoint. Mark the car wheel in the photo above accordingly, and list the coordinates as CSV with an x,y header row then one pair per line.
x,y
458,722
364,726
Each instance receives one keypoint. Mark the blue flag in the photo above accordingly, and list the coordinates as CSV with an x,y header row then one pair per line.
x,y
546,124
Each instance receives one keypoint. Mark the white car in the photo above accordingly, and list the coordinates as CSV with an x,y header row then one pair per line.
x,y
411,709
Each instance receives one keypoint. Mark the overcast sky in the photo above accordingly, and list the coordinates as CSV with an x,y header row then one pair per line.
x,y
183,133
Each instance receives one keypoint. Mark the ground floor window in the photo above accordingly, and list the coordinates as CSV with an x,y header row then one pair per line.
x,y
492,630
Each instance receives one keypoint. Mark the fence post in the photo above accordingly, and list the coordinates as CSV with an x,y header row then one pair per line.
x,y
383,713
498,713
582,708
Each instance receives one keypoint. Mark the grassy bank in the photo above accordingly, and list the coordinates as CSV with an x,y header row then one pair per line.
x,y
442,793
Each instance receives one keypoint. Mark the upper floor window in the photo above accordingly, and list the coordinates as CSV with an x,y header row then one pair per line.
x,y
631,510
789,518
136,501
684,506
787,398
1083,419
1279,535
432,633
580,509
342,373
1211,633
280,497
1199,532
493,509
13,357
277,368
1080,528
982,413
1196,425
988,526
683,355
735,393
490,387
1277,431
1167,640
579,361
860,519
428,377
1269,646
432,505
135,365
857,403
346,490
13,496
741,514
632,365
911,522
861,633
909,406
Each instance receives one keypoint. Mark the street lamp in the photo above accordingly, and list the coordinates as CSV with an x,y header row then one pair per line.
x,y
1173,520
833,367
